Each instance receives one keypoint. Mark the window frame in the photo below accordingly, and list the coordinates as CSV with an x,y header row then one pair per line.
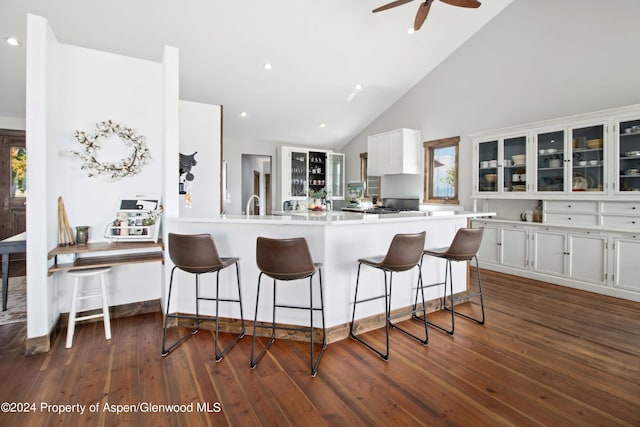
x,y
429,147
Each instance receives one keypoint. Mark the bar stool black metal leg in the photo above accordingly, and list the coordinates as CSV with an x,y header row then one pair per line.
x,y
220,354
168,316
414,316
481,319
384,356
315,363
256,359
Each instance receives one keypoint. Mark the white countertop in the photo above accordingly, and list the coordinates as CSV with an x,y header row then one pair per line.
x,y
333,217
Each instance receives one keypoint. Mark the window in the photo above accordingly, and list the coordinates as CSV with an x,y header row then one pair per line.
x,y
441,170
373,182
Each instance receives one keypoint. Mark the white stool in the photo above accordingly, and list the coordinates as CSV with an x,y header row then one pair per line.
x,y
77,275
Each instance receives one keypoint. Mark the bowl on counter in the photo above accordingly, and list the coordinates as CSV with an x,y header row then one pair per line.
x,y
490,178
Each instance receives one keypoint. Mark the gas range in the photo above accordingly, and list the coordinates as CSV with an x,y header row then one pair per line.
x,y
391,206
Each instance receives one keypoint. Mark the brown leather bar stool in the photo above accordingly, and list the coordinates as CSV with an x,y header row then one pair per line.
x,y
403,254
197,254
464,247
286,260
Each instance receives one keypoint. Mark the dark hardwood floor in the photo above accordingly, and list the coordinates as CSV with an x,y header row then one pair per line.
x,y
548,355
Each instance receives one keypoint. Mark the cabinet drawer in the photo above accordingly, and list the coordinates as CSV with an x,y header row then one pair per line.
x,y
571,206
630,222
571,218
628,208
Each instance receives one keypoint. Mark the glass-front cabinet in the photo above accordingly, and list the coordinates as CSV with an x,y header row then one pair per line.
x,y
298,174
335,176
502,165
571,160
628,156
589,159
550,161
309,174
586,156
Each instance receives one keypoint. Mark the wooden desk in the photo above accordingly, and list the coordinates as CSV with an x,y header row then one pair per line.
x,y
10,245
139,252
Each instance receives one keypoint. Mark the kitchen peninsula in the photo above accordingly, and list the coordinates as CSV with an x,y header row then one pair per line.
x,y
337,240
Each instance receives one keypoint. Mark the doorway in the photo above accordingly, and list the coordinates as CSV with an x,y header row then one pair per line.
x,y
13,183
256,179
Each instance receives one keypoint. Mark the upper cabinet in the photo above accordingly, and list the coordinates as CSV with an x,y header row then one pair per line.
x,y
627,155
592,155
395,152
502,165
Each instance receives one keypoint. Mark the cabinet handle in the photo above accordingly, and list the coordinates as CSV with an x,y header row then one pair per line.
x,y
569,206
569,218
633,222
633,208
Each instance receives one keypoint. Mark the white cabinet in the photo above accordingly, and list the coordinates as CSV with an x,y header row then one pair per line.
x,y
602,261
590,156
502,165
549,252
293,174
506,245
514,248
579,256
587,257
302,171
626,260
335,176
394,152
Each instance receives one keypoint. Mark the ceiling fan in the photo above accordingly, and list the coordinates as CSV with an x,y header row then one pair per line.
x,y
423,10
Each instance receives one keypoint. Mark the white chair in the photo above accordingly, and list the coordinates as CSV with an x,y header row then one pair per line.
x,y
80,294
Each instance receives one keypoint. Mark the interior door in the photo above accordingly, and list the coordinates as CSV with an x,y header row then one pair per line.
x,y
13,190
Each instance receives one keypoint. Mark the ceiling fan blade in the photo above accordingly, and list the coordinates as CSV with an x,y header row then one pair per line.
x,y
463,3
421,16
391,5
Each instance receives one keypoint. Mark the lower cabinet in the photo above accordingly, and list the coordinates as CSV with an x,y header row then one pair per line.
x,y
504,245
578,256
596,260
626,261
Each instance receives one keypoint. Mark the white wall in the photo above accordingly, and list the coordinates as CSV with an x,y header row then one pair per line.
x,y
232,153
536,60
200,130
17,123
71,88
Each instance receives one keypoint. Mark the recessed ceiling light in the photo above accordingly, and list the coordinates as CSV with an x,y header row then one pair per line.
x,y
322,125
267,66
411,31
358,86
243,114
12,41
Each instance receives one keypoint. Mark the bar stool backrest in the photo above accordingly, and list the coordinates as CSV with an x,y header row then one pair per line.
x,y
465,245
404,252
284,259
194,253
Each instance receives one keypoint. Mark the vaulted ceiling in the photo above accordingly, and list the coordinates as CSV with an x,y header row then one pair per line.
x,y
319,52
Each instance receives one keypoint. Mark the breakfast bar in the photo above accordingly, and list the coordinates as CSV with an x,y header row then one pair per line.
x,y
337,240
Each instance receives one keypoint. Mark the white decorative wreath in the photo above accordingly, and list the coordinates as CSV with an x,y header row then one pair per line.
x,y
128,166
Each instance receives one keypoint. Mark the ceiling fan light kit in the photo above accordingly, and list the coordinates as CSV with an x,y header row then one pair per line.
x,y
423,9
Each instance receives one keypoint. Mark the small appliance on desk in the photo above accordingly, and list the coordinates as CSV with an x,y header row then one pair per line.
x,y
355,193
137,220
